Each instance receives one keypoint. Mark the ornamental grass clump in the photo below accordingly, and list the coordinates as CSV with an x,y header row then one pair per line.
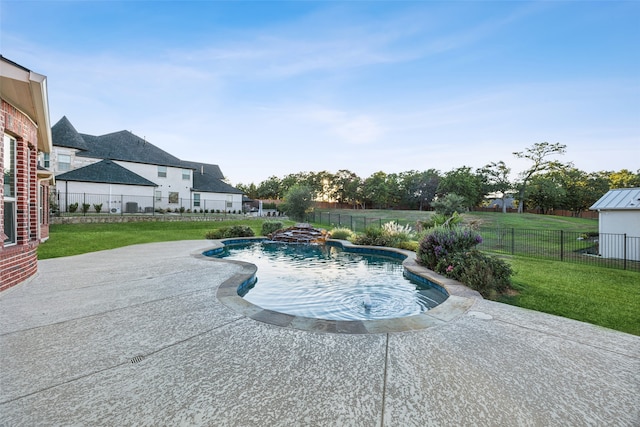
x,y
390,234
452,253
341,233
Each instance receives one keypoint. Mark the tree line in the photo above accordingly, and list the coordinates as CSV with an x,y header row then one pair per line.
x,y
546,184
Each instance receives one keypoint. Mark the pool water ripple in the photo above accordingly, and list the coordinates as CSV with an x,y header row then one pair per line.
x,y
326,282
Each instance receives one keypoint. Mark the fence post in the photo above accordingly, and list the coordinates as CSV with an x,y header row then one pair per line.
x,y
561,245
121,204
624,263
339,221
352,223
379,222
513,241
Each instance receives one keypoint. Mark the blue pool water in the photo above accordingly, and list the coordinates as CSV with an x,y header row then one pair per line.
x,y
326,282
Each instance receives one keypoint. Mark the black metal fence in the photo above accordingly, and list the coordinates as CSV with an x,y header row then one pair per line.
x,y
607,250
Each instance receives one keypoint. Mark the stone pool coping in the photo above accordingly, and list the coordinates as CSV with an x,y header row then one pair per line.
x,y
460,299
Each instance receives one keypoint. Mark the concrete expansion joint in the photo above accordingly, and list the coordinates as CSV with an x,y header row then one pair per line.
x,y
138,358
102,313
384,379
571,339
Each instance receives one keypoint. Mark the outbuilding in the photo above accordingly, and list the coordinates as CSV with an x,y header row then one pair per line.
x,y
619,224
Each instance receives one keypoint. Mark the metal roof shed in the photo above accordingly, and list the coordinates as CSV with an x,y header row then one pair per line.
x,y
619,223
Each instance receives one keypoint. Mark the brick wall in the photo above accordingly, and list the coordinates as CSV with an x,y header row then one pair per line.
x,y
19,261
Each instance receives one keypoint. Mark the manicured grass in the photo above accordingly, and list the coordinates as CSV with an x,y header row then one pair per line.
x,y
485,219
602,296
74,239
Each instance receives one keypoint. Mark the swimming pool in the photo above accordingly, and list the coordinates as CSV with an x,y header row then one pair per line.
x,y
328,282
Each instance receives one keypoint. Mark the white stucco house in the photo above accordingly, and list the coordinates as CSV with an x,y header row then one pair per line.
x,y
124,173
619,223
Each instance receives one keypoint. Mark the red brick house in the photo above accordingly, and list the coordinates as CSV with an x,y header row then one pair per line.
x,y
24,186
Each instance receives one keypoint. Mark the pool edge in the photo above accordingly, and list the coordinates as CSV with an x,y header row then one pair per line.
x,y
459,301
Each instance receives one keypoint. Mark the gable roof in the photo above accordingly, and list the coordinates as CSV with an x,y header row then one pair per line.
x,y
619,199
27,91
127,147
105,172
65,135
208,178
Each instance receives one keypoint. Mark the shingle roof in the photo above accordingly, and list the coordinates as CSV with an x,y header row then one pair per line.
x,y
208,178
125,146
619,199
105,172
64,134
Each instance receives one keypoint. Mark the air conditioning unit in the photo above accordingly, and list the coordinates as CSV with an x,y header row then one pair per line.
x,y
114,210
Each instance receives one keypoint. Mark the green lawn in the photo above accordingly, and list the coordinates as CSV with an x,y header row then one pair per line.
x,y
485,219
602,296
74,239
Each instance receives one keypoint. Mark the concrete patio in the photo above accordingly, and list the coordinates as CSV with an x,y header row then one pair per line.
x,y
138,336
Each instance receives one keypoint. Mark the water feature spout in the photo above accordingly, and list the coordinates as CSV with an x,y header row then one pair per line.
x,y
367,302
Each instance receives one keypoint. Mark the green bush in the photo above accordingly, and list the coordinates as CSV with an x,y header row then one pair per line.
x,y
269,227
98,207
73,207
441,242
86,207
484,273
341,233
439,219
449,204
373,236
228,232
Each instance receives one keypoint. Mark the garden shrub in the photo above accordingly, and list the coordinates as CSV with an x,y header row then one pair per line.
x,y
373,236
449,204
341,233
86,207
73,207
440,219
442,241
98,207
484,273
269,227
451,252
232,231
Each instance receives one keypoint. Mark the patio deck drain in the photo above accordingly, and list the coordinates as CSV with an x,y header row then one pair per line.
x,y
137,359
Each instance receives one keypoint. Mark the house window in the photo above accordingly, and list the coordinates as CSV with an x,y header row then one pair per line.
x,y
229,201
196,199
46,160
174,197
158,196
162,171
186,174
9,189
64,162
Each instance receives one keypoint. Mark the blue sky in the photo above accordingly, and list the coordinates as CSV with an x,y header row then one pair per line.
x,y
271,88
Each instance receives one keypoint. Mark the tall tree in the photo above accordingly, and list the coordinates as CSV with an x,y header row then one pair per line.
x,y
545,192
297,201
498,180
463,182
347,187
418,189
269,188
538,154
624,179
375,190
